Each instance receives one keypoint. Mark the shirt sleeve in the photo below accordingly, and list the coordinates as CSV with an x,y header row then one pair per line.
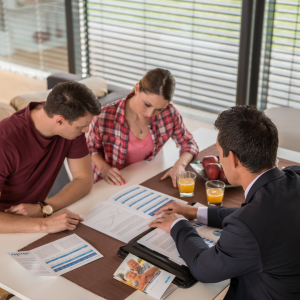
x,y
182,137
78,148
7,162
202,215
93,140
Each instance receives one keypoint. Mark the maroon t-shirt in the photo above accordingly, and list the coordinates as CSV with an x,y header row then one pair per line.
x,y
29,163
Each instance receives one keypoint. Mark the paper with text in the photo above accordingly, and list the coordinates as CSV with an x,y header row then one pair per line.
x,y
162,242
58,257
126,214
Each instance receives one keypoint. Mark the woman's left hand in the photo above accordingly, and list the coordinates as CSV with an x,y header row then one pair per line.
x,y
173,173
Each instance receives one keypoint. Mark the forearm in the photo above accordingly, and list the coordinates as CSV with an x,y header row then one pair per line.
x,y
10,223
99,161
184,159
72,192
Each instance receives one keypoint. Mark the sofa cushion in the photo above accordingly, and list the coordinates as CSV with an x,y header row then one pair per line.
x,y
5,111
21,101
97,84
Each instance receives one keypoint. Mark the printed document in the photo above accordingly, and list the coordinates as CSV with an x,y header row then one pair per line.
x,y
162,242
127,214
145,277
58,257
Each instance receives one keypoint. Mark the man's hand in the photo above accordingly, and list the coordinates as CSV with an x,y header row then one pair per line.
x,y
173,173
112,175
25,209
187,211
64,220
165,222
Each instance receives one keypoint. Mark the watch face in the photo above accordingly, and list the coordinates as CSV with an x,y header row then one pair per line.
x,y
48,210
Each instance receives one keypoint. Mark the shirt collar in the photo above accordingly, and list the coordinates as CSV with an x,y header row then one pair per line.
x,y
252,182
120,112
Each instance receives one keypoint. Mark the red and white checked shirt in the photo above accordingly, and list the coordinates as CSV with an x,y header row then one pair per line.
x,y
109,134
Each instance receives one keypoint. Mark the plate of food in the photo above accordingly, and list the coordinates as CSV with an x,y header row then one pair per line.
x,y
211,169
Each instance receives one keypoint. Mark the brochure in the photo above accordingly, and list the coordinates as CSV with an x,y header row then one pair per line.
x,y
145,277
57,258
127,214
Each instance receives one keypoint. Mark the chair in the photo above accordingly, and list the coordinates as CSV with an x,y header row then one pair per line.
x,y
287,121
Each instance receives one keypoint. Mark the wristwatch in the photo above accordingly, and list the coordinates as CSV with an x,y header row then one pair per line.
x,y
46,209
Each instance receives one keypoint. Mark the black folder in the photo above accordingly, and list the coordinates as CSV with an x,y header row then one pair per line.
x,y
184,278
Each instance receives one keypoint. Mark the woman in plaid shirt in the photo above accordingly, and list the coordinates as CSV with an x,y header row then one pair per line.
x,y
136,127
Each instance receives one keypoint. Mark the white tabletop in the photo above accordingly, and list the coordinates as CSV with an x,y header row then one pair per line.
x,y
20,282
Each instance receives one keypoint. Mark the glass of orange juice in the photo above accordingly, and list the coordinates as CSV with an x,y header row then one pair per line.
x,y
215,192
186,183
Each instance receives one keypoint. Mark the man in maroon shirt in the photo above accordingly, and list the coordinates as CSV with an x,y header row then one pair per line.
x,y
33,145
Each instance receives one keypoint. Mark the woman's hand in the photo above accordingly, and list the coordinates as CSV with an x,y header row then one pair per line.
x,y
177,168
112,175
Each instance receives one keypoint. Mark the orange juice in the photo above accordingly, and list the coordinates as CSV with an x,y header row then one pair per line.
x,y
186,185
214,195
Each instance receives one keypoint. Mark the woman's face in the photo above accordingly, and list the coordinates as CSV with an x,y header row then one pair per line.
x,y
132,275
150,105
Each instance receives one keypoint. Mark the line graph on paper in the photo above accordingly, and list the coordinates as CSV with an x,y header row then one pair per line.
x,y
111,218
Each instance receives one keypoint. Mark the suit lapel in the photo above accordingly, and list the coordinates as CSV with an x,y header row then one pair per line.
x,y
270,175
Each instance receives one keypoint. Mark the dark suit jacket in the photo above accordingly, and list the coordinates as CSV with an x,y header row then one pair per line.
x,y
259,248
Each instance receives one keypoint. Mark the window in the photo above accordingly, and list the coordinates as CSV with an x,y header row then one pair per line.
x,y
198,41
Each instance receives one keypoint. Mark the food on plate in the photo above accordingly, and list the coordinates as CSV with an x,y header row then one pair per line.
x,y
213,171
210,159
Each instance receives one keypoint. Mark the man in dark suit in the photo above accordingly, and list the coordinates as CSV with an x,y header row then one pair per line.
x,y
259,248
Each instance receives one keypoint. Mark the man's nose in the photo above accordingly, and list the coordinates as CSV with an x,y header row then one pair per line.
x,y
85,129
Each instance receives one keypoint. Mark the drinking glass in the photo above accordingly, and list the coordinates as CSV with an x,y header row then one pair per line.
x,y
215,192
186,183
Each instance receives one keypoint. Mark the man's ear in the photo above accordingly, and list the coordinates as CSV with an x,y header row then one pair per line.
x,y
59,120
234,161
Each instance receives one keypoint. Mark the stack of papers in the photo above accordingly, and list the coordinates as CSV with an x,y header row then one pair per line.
x,y
145,277
162,242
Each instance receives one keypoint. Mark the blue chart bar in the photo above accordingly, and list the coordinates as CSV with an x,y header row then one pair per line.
x,y
48,262
152,213
75,262
140,199
147,202
155,205
126,194
71,259
133,196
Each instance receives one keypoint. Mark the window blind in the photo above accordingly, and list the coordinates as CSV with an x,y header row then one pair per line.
x,y
33,34
282,85
198,41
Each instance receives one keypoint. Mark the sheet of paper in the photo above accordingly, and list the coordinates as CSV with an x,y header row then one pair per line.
x,y
162,242
126,214
58,257
146,277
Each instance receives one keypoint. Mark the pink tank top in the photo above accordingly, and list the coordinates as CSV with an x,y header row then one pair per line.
x,y
138,149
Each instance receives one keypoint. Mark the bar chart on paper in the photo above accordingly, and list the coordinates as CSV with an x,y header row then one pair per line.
x,y
126,214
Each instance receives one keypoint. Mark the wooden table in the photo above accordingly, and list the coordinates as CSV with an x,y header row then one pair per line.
x,y
18,281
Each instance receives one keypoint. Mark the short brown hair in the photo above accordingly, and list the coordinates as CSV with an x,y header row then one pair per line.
x,y
158,82
250,135
71,100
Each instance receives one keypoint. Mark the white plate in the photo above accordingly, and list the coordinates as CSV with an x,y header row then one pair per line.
x,y
200,170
